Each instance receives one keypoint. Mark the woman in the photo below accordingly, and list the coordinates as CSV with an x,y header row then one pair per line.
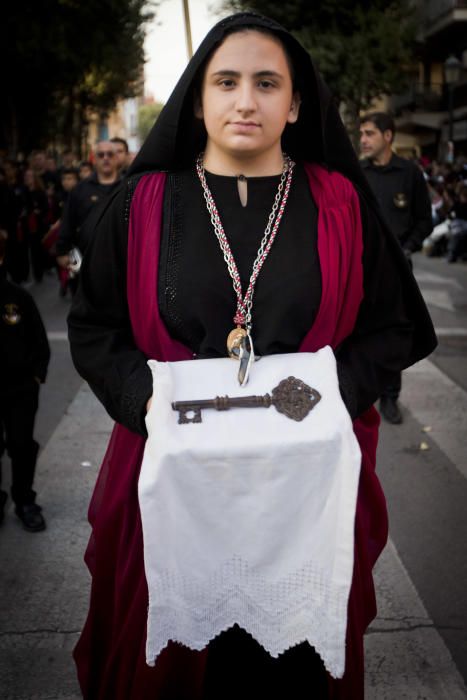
x,y
155,284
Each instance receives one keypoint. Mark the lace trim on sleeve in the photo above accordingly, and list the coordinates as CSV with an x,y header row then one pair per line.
x,y
130,190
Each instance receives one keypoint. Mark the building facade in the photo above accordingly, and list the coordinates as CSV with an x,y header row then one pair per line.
x,y
433,111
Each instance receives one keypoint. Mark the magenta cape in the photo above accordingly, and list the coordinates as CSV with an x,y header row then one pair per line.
x,y
110,654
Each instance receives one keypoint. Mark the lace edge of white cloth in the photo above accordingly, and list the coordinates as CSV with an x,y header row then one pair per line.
x,y
284,618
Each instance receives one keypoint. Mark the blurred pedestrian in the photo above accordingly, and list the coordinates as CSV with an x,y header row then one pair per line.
x,y
24,358
249,132
122,153
69,180
11,205
86,169
400,188
75,228
33,221
68,160
38,162
51,175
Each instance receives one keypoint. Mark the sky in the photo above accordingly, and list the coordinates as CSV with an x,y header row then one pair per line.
x,y
165,44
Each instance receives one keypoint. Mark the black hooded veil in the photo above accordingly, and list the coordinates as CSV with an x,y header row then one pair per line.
x,y
393,330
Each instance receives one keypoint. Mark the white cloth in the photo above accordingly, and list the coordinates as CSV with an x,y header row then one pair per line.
x,y
248,517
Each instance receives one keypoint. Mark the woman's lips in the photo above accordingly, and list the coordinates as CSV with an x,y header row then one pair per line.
x,y
244,127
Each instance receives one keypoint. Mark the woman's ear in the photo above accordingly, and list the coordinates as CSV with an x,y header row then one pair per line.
x,y
294,108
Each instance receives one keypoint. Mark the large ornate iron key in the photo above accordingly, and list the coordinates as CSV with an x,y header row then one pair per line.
x,y
291,396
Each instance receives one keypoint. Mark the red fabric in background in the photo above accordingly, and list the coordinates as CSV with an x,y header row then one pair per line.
x,y
110,654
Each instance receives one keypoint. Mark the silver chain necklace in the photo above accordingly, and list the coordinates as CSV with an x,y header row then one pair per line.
x,y
239,341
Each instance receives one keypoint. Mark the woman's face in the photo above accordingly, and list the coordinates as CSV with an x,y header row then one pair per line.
x,y
247,97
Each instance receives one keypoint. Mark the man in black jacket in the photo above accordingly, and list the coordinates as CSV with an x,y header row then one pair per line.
x,y
24,358
400,188
75,229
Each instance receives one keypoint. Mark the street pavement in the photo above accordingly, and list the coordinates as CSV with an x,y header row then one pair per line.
x,y
417,646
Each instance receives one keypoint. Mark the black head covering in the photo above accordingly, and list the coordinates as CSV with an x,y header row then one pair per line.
x,y
318,135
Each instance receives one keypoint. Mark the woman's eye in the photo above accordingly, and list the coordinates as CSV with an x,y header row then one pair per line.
x,y
266,84
227,83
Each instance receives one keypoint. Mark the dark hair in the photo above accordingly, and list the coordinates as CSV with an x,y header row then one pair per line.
x,y
382,121
69,171
86,163
117,139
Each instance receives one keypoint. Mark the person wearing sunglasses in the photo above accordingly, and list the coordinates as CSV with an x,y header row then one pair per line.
x,y
76,227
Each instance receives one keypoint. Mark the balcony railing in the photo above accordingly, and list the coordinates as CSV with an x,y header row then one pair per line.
x,y
435,9
419,96
432,98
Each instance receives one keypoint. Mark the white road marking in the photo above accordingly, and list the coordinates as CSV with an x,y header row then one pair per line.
x,y
422,276
405,656
438,297
57,335
447,332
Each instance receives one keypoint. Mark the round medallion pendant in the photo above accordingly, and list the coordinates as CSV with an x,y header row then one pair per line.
x,y
234,341
401,200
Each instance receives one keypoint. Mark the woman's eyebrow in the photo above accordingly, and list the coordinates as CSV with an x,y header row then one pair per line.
x,y
237,74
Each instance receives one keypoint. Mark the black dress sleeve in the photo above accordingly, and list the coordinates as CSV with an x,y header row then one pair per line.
x,y
393,329
102,344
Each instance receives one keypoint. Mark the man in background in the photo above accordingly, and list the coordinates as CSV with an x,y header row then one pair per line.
x,y
82,201
121,151
400,188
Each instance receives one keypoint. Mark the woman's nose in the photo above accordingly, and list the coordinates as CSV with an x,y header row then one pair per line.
x,y
246,101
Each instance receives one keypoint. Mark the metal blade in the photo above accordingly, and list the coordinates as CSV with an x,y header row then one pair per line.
x,y
247,357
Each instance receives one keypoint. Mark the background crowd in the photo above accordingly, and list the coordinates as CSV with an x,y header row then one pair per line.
x,y
44,209
447,186
34,192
